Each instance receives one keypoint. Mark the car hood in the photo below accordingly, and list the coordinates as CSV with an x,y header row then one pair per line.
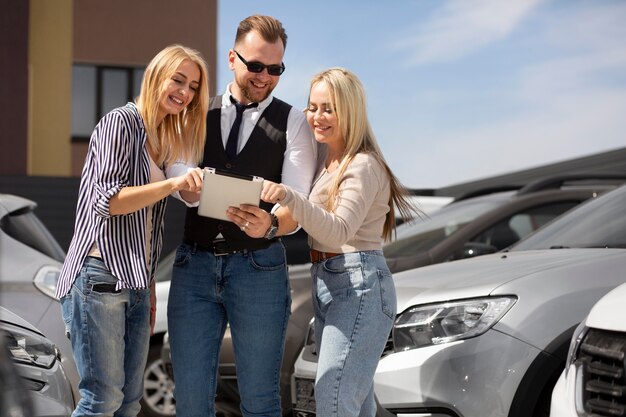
x,y
608,313
7,316
481,276
404,263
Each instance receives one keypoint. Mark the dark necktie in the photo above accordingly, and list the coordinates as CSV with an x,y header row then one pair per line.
x,y
233,136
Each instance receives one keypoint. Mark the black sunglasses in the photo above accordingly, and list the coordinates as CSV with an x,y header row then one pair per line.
x,y
257,67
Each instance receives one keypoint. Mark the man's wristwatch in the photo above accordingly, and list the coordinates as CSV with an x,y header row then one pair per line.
x,y
273,229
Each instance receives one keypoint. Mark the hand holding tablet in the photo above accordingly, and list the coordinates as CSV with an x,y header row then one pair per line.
x,y
222,189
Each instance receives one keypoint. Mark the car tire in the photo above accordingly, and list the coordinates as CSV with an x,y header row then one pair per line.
x,y
158,389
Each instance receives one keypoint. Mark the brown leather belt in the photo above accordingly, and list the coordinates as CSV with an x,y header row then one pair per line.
x,y
317,256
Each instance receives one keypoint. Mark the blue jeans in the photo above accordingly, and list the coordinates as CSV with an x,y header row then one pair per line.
x,y
250,292
355,306
110,335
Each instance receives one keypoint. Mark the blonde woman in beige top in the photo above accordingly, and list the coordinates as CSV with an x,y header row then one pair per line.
x,y
348,215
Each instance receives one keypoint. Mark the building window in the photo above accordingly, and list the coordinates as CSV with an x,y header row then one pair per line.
x,y
97,90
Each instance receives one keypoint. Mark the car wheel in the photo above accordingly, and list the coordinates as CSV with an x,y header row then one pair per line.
x,y
158,389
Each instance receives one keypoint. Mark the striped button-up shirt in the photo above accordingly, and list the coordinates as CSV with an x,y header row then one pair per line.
x,y
117,157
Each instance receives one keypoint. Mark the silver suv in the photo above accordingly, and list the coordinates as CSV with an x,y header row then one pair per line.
x,y
488,336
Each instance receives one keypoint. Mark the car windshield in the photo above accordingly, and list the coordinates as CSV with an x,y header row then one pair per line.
x,y
26,227
598,223
422,235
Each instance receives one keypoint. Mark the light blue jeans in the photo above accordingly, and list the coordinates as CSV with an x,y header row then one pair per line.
x,y
250,292
355,306
110,335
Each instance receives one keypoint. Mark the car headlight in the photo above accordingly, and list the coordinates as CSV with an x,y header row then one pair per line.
x,y
447,322
46,280
29,348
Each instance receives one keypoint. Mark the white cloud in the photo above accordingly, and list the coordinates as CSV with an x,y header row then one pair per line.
x,y
592,53
588,124
569,105
460,27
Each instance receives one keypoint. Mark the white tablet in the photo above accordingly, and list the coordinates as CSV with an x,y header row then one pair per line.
x,y
222,189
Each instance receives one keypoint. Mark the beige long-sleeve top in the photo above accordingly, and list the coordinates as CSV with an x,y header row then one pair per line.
x,y
357,222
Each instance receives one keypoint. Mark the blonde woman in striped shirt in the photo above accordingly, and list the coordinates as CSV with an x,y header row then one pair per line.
x,y
106,284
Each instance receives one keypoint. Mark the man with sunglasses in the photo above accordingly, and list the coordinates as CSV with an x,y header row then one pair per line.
x,y
235,272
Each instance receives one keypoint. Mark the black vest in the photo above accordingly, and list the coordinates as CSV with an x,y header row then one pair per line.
x,y
262,156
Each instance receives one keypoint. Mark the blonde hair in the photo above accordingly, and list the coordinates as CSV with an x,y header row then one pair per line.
x,y
179,136
349,104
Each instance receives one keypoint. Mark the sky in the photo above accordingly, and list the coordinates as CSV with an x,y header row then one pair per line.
x,y
460,90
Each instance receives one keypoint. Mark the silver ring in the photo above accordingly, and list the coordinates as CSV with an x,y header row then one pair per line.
x,y
247,224
243,228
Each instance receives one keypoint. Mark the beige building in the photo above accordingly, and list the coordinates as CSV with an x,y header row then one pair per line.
x,y
65,63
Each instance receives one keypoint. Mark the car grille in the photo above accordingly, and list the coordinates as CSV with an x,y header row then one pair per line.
x,y
603,354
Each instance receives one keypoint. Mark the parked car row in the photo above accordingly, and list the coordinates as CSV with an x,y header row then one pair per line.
x,y
465,228
30,261
486,223
489,336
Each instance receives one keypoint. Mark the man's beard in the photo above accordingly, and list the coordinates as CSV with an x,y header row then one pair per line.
x,y
245,91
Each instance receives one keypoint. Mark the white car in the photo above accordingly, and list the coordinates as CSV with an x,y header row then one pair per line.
x,y
488,336
593,382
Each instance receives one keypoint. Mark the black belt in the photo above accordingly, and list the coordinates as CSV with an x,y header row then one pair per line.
x,y
219,247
